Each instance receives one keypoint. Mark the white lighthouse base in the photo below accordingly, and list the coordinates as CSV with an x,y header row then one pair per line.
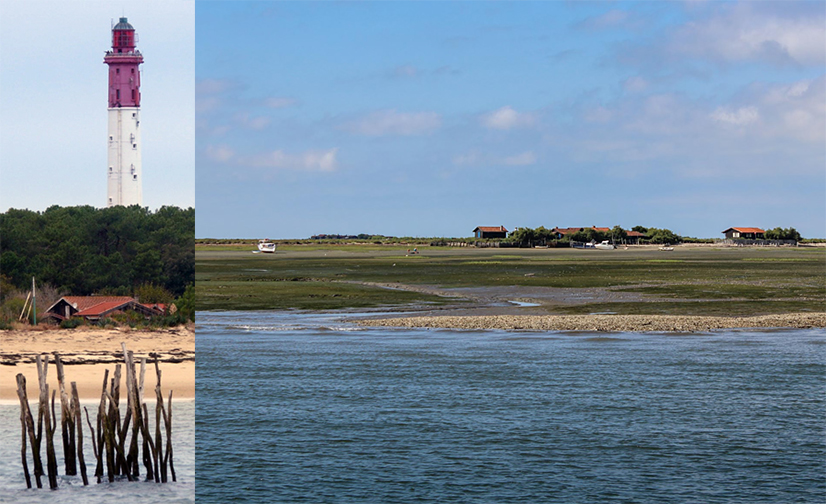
x,y
125,178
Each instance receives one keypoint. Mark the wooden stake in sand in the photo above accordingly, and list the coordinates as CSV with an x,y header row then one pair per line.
x,y
79,425
110,433
27,425
67,422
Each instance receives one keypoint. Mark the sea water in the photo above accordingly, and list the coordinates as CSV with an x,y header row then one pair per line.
x,y
299,407
71,489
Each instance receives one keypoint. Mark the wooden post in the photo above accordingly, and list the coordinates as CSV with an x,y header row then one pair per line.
x,y
79,425
25,305
100,428
94,445
67,422
25,415
51,425
44,419
168,423
159,413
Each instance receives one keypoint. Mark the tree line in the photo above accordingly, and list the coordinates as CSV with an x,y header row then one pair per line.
x,y
543,236
84,250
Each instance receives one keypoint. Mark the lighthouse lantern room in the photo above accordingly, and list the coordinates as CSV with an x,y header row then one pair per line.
x,y
124,177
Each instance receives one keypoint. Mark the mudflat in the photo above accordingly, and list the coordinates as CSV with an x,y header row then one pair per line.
x,y
687,281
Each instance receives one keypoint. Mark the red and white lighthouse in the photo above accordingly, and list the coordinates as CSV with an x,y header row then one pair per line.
x,y
124,174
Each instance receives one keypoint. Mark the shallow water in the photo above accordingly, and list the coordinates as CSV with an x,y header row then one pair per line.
x,y
71,491
306,408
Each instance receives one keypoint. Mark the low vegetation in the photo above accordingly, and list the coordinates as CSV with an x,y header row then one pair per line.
x,y
698,280
122,251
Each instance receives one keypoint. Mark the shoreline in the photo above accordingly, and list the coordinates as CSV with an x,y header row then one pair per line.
x,y
602,323
87,352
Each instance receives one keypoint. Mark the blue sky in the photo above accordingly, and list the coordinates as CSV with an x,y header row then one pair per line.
x,y
432,118
53,101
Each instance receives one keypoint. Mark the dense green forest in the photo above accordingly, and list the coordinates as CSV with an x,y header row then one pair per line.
x,y
85,250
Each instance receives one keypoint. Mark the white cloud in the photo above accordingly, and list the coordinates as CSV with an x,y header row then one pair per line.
x,y
635,84
252,122
205,104
745,32
405,71
391,122
311,160
739,117
213,86
280,102
507,118
523,159
470,158
610,19
219,153
474,158
598,114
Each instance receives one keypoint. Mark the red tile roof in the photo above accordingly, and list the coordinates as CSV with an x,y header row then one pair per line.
x,y
564,231
490,229
82,303
745,229
635,234
102,308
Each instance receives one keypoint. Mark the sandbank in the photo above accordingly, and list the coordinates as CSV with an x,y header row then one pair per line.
x,y
87,353
603,323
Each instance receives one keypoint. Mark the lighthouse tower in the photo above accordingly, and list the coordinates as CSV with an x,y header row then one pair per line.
x,y
124,171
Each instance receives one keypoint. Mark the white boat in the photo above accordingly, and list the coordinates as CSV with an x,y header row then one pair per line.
x,y
667,249
267,246
605,245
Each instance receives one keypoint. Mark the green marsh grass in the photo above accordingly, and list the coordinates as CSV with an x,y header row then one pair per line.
x,y
714,280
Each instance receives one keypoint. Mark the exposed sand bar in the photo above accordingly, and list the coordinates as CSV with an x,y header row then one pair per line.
x,y
87,353
605,323
179,378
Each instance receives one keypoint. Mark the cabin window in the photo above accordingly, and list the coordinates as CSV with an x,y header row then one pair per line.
x,y
118,93
117,70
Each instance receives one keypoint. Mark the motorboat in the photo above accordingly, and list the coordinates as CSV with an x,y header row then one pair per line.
x,y
605,245
667,249
267,246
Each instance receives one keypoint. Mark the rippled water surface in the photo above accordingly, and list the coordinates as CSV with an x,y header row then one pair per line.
x,y
304,408
71,491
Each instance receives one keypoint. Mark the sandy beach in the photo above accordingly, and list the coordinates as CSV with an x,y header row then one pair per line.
x,y
87,353
604,323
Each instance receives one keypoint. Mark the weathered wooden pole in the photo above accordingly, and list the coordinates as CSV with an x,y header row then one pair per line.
x,y
159,412
168,422
25,415
67,422
100,428
45,414
94,445
116,445
79,425
51,426
43,397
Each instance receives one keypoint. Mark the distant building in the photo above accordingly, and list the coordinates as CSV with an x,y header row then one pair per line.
x,y
633,237
490,232
94,308
749,233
